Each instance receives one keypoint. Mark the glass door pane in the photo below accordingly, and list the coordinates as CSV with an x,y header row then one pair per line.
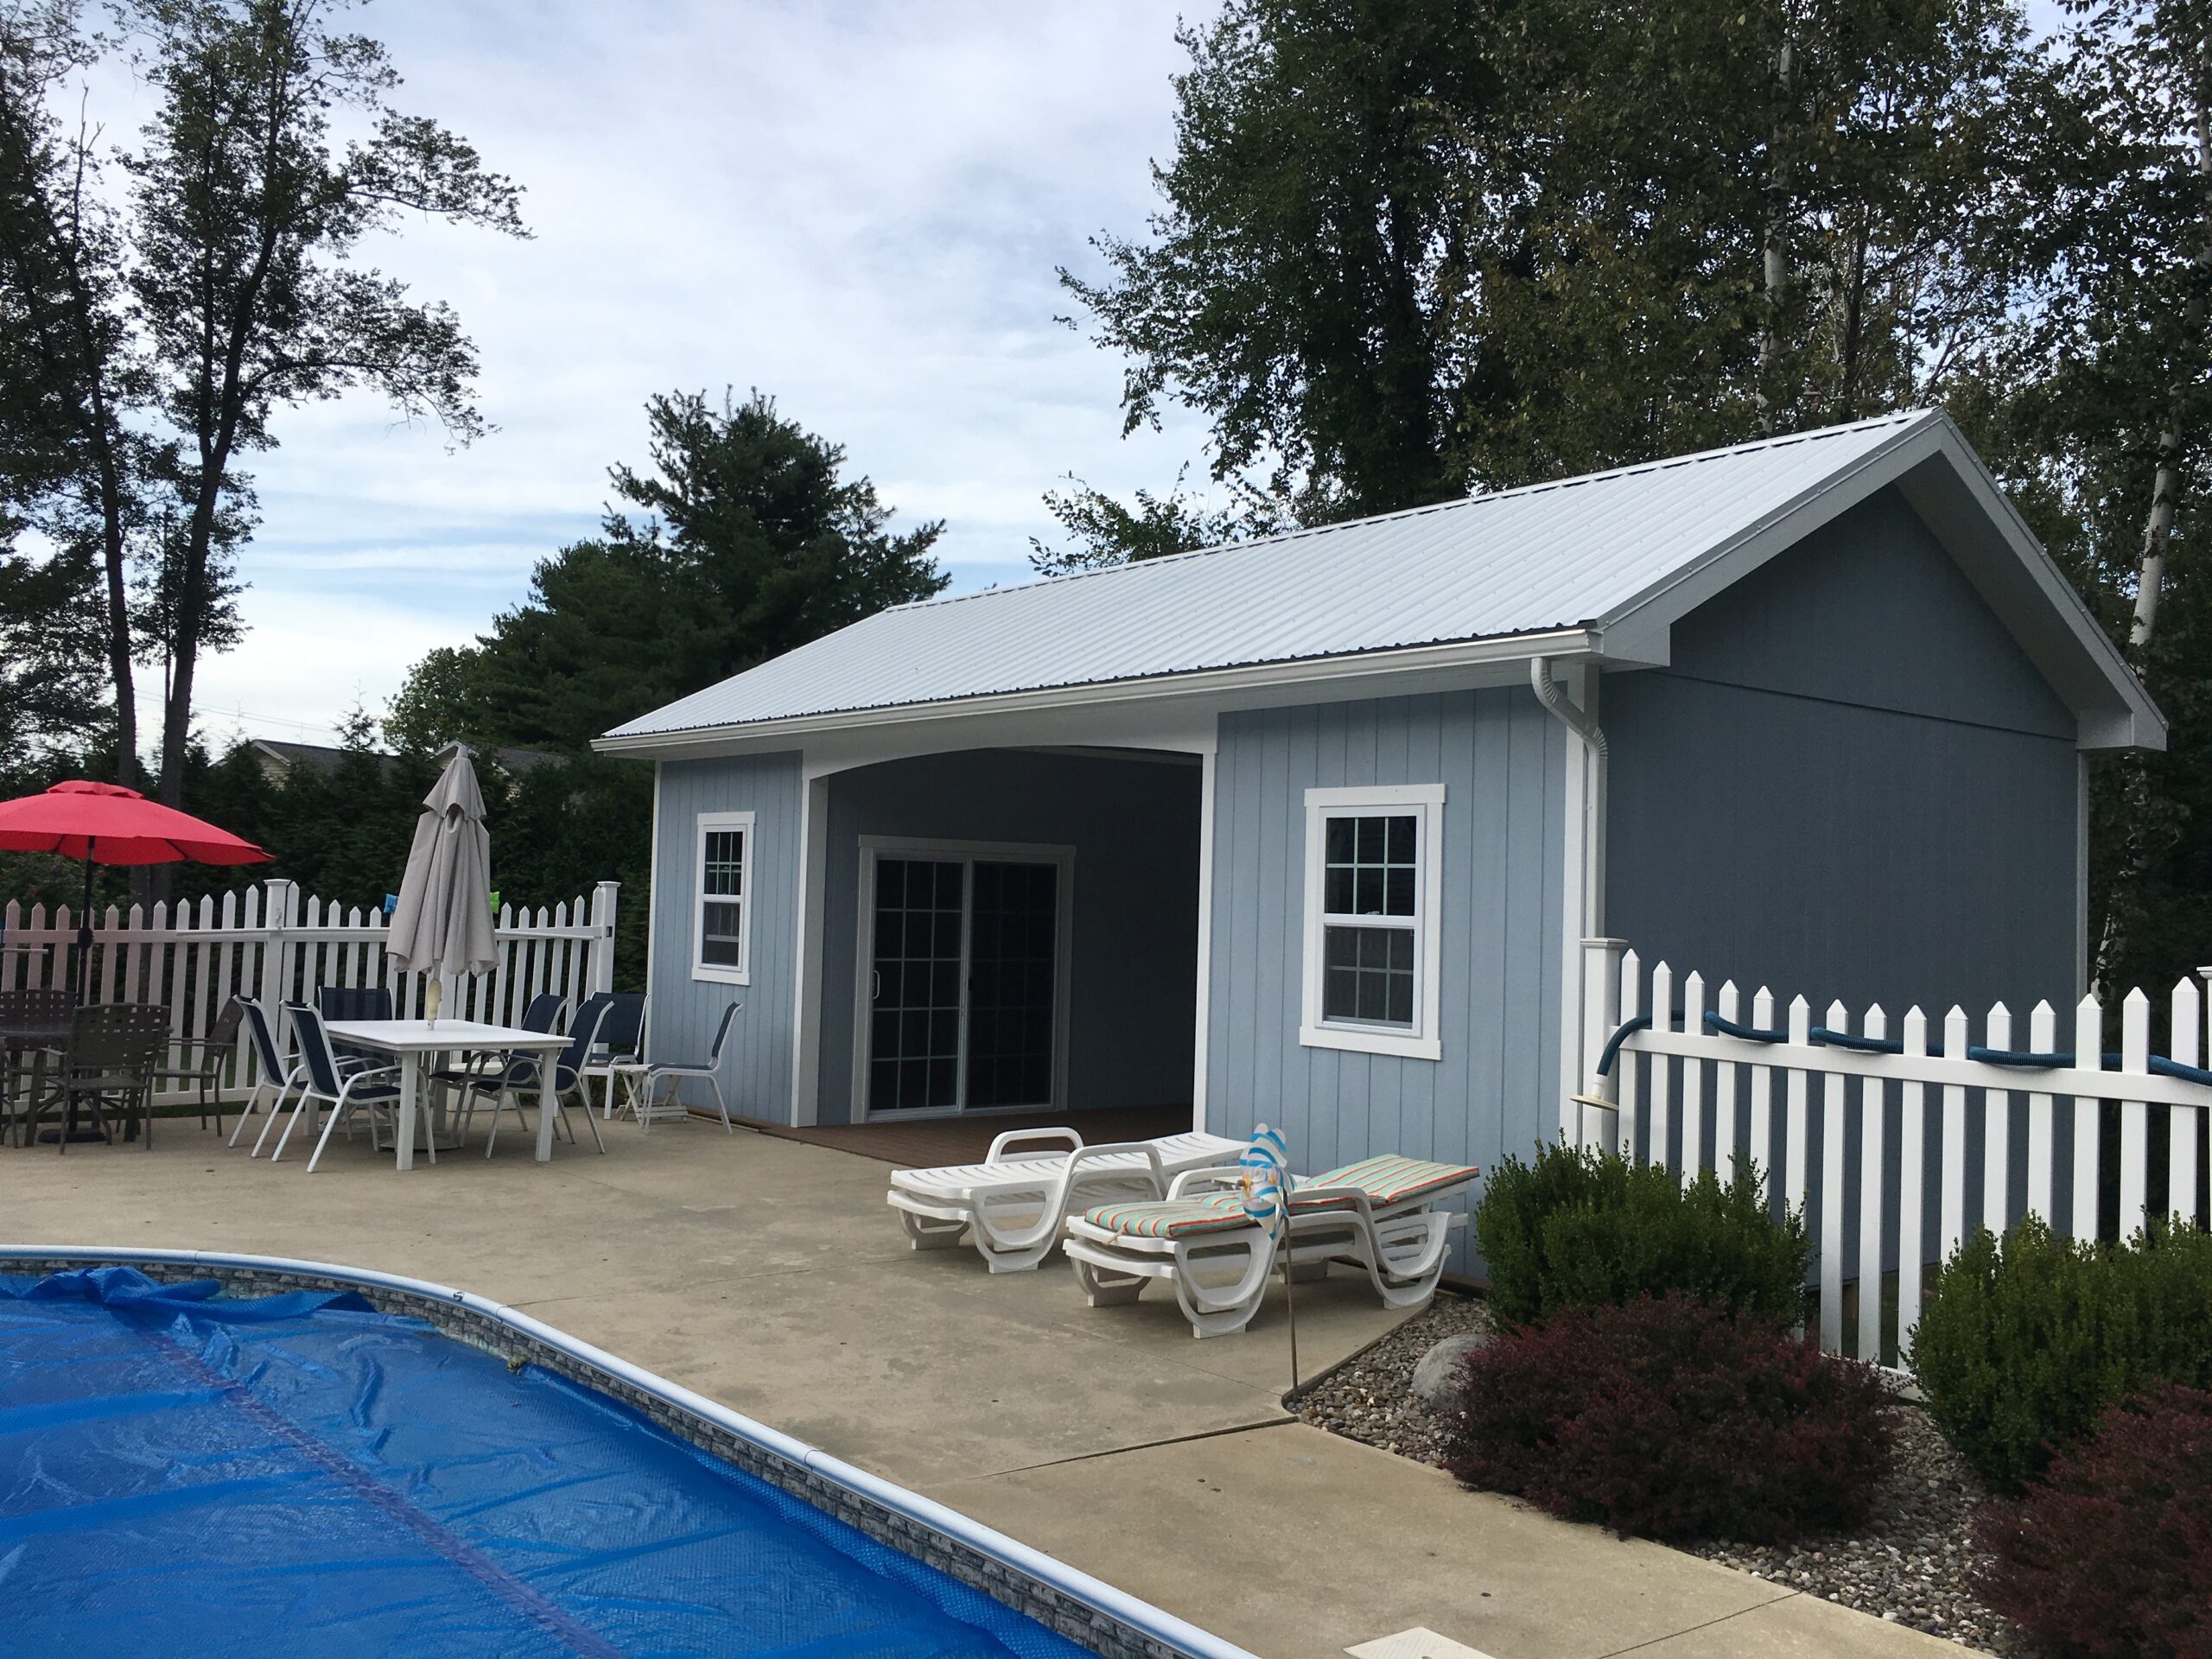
x,y
914,1040
1011,990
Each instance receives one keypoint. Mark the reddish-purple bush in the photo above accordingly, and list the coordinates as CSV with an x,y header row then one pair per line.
x,y
1676,1419
2111,1553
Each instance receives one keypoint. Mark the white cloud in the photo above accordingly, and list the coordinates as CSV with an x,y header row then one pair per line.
x,y
857,208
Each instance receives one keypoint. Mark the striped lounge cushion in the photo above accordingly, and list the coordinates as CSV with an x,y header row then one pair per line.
x,y
1219,1213
1392,1180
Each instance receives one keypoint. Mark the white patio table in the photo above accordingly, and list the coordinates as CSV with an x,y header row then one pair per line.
x,y
416,1043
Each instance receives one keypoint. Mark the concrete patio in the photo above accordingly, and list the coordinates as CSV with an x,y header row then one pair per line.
x,y
769,1275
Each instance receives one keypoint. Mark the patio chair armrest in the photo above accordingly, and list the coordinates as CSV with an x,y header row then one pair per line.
x,y
1066,1138
1311,1200
1100,1153
1218,1175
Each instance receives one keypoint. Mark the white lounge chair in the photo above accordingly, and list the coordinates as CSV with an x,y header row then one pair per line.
x,y
1013,1205
1378,1214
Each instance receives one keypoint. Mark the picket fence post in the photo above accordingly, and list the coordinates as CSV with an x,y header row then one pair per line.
x,y
602,949
2181,1121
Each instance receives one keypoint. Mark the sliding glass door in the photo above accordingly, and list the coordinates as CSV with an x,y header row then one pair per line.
x,y
914,1051
964,989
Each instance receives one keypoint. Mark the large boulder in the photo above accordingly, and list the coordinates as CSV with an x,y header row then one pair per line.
x,y
1436,1378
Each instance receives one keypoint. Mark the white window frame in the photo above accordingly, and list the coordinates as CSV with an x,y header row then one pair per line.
x,y
748,863
1425,803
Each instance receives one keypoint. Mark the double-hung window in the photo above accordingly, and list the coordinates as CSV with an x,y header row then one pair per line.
x,y
1373,879
721,917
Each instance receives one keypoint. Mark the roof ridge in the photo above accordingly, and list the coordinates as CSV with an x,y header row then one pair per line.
x,y
1900,419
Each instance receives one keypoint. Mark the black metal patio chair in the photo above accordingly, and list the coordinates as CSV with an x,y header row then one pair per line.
x,y
30,1021
206,1074
107,1065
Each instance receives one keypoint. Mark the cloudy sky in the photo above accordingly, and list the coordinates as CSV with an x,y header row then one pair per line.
x,y
856,206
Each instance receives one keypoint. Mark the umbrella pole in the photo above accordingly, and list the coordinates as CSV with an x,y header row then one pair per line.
x,y
84,933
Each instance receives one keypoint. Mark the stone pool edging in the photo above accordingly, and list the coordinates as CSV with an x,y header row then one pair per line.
x,y
1085,1610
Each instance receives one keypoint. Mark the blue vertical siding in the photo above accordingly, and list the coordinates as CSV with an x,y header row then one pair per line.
x,y
1502,761
756,1075
1851,783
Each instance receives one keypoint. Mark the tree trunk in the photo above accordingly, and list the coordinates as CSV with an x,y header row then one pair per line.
x,y
2158,533
185,604
2166,484
1775,272
119,600
102,426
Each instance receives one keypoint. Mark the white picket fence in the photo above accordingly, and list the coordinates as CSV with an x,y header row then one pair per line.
x,y
1896,1140
266,943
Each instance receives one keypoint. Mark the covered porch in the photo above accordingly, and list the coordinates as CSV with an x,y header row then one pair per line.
x,y
1005,934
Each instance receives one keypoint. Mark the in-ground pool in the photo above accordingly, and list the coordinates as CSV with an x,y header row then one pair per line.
x,y
184,1473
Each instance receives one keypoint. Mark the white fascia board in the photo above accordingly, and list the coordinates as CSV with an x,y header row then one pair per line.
x,y
1165,710
2074,651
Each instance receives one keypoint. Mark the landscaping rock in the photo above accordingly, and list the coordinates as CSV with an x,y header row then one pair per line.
x,y
1436,1375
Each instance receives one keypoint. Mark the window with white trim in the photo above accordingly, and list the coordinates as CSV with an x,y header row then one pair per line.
x,y
1373,878
721,917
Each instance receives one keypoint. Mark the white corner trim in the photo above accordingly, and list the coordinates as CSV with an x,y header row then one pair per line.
x,y
1209,780
1424,1041
707,823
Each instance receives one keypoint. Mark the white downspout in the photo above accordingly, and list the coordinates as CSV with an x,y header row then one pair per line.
x,y
1594,797
1591,972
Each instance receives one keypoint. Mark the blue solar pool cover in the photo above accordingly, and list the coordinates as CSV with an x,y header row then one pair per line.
x,y
185,1474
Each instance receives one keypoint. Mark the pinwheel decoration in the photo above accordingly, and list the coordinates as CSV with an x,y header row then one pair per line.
x,y
1266,1190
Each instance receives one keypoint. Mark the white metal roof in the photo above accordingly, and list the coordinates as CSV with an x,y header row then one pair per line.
x,y
1582,552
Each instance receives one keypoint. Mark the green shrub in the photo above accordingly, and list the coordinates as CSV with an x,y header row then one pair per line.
x,y
2022,1346
1578,1228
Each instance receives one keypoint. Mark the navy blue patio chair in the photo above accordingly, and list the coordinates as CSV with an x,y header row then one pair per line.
x,y
672,1070
278,1075
543,1014
525,1072
621,1046
370,1090
355,1002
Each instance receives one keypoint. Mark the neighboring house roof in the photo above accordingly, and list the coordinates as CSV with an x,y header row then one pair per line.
x,y
1598,566
279,758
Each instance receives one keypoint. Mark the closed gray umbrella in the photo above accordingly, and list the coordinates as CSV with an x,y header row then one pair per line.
x,y
442,923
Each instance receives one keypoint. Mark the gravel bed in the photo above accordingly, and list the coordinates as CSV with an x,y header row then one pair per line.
x,y
1909,1564
1369,1397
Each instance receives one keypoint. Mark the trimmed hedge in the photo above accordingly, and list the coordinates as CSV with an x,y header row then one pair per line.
x,y
1578,1228
1674,1418
2112,1554
2022,1345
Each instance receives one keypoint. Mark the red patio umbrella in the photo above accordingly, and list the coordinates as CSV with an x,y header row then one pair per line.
x,y
106,823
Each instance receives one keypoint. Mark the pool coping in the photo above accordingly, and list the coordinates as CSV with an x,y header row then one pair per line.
x,y
1086,1610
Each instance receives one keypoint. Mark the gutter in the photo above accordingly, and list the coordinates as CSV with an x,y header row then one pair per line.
x,y
1171,1632
1594,799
